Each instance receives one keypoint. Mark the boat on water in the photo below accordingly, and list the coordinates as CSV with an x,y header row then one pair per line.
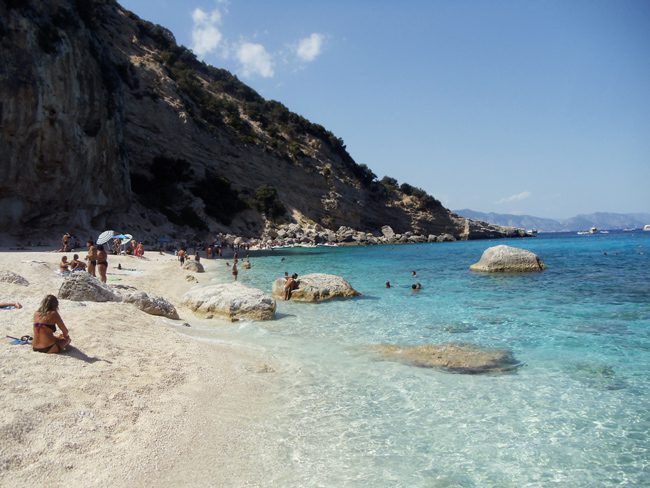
x,y
531,232
593,230
646,227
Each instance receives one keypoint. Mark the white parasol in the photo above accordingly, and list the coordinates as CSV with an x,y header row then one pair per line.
x,y
126,238
105,236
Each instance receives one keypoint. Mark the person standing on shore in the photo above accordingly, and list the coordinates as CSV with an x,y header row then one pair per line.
x,y
91,257
181,256
234,270
65,240
102,263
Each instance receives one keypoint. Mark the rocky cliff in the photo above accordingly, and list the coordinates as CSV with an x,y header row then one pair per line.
x,y
105,122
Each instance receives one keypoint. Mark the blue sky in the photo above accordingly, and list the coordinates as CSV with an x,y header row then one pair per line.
x,y
539,107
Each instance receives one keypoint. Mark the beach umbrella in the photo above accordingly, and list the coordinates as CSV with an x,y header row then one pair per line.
x,y
119,236
126,238
105,236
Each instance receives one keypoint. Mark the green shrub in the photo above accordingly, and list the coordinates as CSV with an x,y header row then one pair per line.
x,y
268,202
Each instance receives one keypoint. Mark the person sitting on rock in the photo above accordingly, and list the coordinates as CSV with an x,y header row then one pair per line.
x,y
46,318
290,285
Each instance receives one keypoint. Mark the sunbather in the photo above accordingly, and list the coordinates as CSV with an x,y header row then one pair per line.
x,y
46,318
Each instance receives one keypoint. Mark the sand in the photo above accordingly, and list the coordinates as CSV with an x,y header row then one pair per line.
x,y
136,402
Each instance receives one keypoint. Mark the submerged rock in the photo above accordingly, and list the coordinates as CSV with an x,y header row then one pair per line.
x,y
232,301
316,287
508,259
82,287
194,266
456,358
11,277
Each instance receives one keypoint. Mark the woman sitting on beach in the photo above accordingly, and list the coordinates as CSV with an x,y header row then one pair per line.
x,y
91,257
64,265
102,263
46,318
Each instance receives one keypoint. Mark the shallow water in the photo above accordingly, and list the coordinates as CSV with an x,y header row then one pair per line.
x,y
576,414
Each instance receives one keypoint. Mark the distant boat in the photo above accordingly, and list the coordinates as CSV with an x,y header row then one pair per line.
x,y
593,230
531,232
646,227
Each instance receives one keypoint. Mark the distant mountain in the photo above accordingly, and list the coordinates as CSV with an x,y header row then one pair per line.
x,y
601,220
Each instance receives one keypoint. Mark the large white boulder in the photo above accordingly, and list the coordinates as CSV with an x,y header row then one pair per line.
x,y
507,259
457,358
82,287
316,287
232,301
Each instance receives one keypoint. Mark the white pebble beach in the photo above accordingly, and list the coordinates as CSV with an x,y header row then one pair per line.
x,y
135,402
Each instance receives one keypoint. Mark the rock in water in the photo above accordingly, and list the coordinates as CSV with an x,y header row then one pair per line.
x,y
194,266
456,358
82,287
316,287
232,301
507,259
11,277
152,305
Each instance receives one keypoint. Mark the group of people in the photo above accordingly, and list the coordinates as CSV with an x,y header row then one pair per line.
x,y
96,262
414,287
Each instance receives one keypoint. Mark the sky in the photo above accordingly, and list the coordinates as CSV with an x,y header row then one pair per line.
x,y
528,107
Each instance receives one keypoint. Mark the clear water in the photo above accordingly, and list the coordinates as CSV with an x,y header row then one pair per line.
x,y
577,414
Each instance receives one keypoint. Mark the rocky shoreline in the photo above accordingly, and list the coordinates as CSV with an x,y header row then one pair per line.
x,y
289,235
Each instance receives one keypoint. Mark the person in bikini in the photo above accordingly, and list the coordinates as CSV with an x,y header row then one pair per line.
x,y
46,318
91,258
102,263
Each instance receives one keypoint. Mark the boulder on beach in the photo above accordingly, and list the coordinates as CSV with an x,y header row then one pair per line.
x,y
507,259
456,358
388,232
82,287
232,301
194,266
152,305
11,277
316,287
445,238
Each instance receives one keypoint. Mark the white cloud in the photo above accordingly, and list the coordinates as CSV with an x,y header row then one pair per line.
x,y
516,197
310,47
255,60
206,35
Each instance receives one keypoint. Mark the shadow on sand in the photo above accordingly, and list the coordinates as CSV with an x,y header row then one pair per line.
x,y
75,353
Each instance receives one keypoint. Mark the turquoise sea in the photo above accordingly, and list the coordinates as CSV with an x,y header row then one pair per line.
x,y
576,414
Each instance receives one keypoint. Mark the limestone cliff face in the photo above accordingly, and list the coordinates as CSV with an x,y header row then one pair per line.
x,y
106,122
61,139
